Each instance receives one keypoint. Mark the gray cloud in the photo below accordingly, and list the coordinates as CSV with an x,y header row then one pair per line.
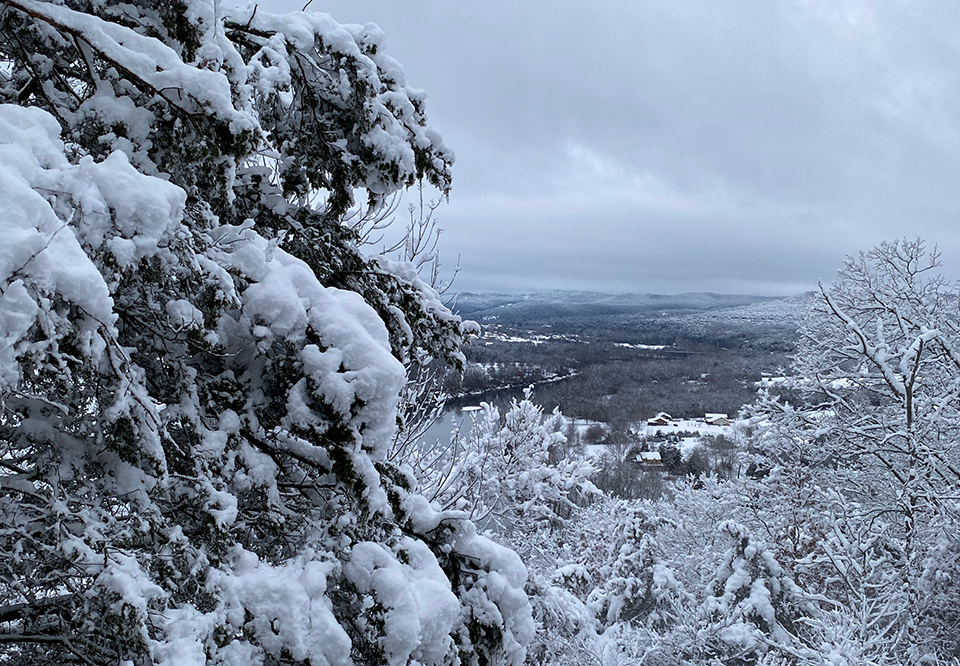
x,y
671,146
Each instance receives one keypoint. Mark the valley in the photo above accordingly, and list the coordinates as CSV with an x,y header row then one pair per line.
x,y
624,358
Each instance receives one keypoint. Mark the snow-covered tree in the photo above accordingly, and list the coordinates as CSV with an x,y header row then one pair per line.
x,y
200,370
635,585
500,471
612,596
513,474
688,526
878,431
867,613
752,607
879,355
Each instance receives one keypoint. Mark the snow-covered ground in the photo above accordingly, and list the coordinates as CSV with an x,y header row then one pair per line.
x,y
687,444
490,336
681,425
840,382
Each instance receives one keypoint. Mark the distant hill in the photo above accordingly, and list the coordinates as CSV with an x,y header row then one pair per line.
x,y
561,304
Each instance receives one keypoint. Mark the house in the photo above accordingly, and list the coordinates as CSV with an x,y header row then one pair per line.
x,y
660,419
650,459
716,419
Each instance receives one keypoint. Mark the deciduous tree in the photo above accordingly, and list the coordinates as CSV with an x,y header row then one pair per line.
x,y
879,371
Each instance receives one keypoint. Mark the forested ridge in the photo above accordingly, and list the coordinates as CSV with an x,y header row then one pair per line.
x,y
212,393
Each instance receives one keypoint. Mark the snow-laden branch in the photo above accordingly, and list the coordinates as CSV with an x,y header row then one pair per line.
x,y
147,61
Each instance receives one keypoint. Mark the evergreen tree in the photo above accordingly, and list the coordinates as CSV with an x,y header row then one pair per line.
x,y
500,472
636,585
751,606
200,370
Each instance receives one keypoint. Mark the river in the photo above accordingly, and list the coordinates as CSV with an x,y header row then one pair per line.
x,y
463,409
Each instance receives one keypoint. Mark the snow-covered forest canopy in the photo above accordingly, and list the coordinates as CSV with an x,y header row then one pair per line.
x,y
211,393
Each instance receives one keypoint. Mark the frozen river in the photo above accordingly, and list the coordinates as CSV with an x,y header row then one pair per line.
x,y
457,417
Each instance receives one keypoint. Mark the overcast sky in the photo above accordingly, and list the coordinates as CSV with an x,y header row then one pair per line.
x,y
671,145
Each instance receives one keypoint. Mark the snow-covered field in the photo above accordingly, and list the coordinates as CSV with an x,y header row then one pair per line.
x,y
686,444
685,425
490,336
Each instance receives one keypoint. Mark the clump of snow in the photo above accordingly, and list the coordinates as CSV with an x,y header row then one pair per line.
x,y
153,62
352,371
40,252
44,254
284,607
422,610
396,128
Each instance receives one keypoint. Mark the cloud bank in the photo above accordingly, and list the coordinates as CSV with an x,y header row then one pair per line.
x,y
667,147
